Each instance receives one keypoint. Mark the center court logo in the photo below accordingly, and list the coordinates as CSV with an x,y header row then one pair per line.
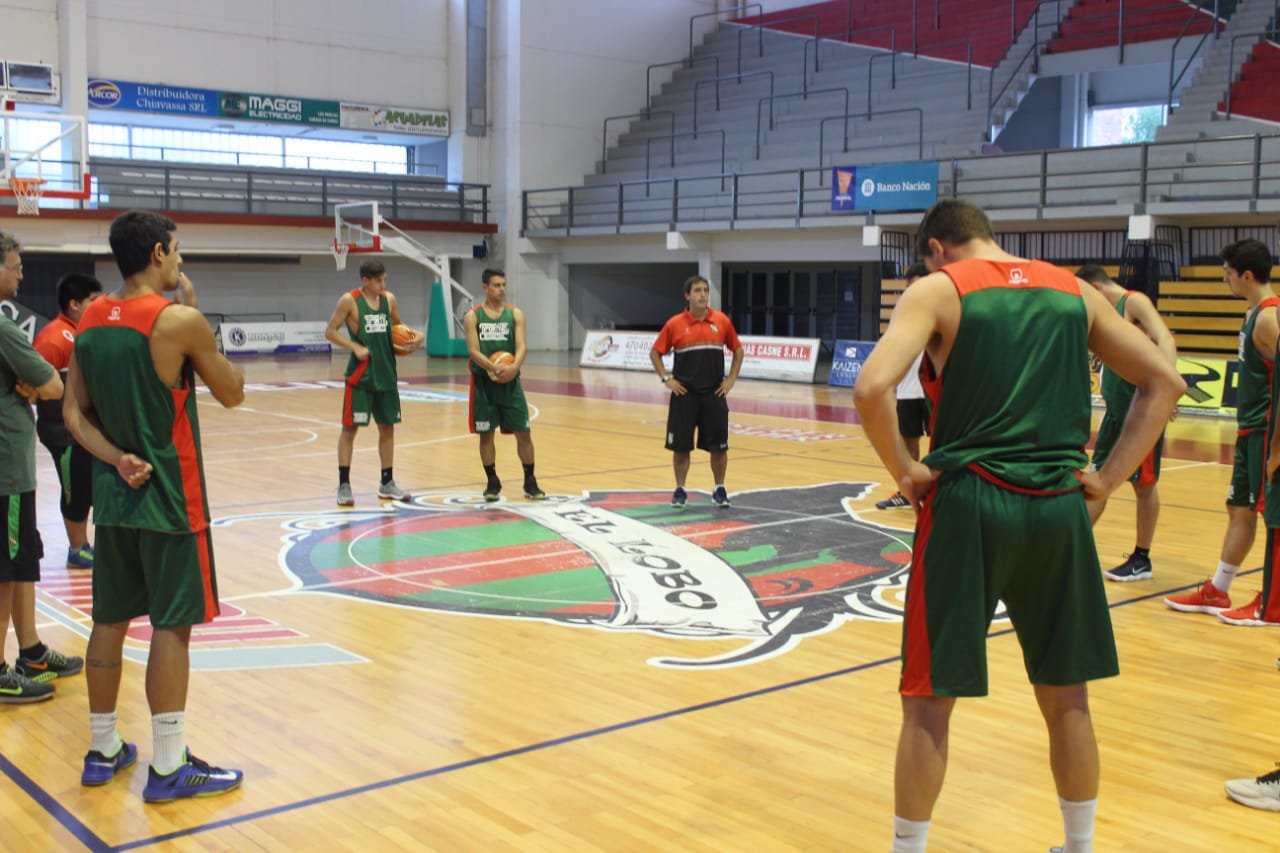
x,y
786,564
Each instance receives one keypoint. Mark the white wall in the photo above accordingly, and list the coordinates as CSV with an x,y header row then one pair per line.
x,y
30,31
384,51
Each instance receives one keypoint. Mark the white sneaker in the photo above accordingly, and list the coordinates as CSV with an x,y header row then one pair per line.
x,y
389,491
1262,792
345,498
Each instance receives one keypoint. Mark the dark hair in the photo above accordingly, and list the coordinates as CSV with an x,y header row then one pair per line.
x,y
76,287
134,236
953,221
916,270
372,269
1093,274
691,281
8,243
1249,255
488,274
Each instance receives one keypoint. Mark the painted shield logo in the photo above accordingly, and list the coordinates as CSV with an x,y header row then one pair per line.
x,y
785,564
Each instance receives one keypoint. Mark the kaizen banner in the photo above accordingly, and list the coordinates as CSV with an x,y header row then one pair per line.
x,y
785,359
891,186
847,362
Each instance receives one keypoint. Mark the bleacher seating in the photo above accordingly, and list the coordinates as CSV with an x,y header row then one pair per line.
x,y
1095,23
1254,94
983,24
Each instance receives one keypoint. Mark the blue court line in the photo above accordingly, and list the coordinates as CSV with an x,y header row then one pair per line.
x,y
94,843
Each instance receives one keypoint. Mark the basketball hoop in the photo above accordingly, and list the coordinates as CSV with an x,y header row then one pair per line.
x,y
340,254
27,191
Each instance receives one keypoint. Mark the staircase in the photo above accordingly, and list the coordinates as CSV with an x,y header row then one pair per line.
x,y
1254,94
1197,114
1096,23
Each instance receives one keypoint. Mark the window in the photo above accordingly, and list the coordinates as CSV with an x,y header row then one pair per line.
x,y
1125,125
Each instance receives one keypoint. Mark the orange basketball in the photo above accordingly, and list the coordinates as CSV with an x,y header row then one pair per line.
x,y
502,357
401,337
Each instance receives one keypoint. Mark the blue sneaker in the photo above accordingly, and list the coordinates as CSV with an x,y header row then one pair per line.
x,y
193,778
721,498
679,497
80,558
100,769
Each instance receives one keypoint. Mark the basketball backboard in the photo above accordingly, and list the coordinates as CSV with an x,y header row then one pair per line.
x,y
45,147
355,225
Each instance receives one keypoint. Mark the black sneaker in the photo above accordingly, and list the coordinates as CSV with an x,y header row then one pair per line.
x,y
48,666
1135,568
491,490
532,492
17,689
894,501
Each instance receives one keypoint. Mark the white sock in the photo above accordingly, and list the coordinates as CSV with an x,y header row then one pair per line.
x,y
104,737
1223,577
719,485
1077,824
169,742
909,836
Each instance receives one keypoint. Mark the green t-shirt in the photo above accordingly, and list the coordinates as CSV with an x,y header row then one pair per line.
x,y
18,360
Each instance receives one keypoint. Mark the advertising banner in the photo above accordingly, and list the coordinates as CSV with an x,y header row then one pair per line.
x,y
273,338
847,362
395,119
785,359
890,186
152,98
259,107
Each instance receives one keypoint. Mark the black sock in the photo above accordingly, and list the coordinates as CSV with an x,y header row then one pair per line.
x,y
1145,553
386,476
491,471
35,652
528,472
344,475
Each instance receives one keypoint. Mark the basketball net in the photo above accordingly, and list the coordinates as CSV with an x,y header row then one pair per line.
x,y
340,254
27,191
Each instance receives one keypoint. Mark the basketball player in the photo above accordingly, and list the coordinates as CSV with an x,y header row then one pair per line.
x,y
368,313
131,402
24,376
913,408
1001,497
497,400
72,462
699,335
1246,268
1116,394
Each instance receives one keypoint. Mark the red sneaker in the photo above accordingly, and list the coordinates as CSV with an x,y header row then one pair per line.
x,y
1206,599
1250,614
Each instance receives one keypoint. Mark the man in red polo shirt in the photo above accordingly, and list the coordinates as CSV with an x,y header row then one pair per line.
x,y
699,335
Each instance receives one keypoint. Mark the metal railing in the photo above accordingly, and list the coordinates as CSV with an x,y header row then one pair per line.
x,y
805,95
648,149
1173,52
717,80
687,62
1231,58
1238,169
868,115
1032,53
128,184
746,6
604,134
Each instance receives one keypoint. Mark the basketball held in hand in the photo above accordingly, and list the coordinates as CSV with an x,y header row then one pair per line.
x,y
402,339
499,358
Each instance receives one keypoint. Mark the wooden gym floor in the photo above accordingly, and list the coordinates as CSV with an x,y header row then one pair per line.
x,y
599,673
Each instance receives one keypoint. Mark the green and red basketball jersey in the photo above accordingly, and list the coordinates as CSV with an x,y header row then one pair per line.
x,y
373,331
494,335
143,416
1116,392
1253,389
1012,401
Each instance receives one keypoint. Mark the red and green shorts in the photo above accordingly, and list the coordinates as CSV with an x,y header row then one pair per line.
x,y
978,544
168,576
1148,472
1247,470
